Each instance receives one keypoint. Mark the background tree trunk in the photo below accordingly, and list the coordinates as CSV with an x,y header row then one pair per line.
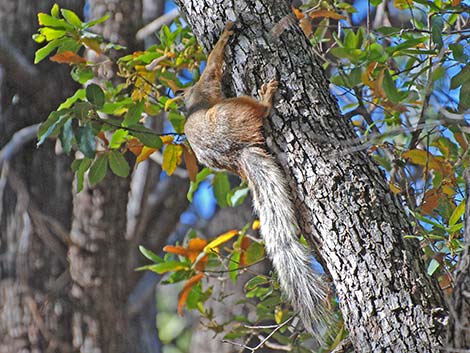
x,y
388,302
35,208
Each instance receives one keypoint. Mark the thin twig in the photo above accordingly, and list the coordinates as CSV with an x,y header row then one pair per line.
x,y
18,140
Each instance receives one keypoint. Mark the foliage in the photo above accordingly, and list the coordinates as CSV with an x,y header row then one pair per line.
x,y
404,87
109,117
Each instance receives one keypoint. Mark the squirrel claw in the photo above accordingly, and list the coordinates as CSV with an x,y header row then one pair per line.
x,y
267,90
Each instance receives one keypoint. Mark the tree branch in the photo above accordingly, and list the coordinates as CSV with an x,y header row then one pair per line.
x,y
20,72
155,25
19,139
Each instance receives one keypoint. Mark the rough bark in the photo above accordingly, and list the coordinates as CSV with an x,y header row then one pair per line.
x,y
458,337
388,302
99,251
35,208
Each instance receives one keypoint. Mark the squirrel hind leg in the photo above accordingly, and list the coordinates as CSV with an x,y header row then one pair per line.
x,y
266,93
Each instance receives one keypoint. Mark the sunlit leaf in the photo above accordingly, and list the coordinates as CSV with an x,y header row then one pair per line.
x,y
186,289
458,212
171,158
150,254
326,13
67,57
71,17
223,238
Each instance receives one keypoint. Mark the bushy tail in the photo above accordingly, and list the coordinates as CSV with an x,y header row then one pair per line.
x,y
305,289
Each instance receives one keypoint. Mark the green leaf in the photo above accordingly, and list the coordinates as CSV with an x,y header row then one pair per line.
x,y
388,31
464,96
71,17
66,136
118,164
433,266
221,187
86,141
119,136
80,167
436,31
145,135
54,121
81,74
410,43
55,11
41,54
78,95
50,33
254,253
462,77
257,281
98,170
150,255
233,266
133,114
236,196
168,266
458,212
177,120
50,21
390,90
95,22
458,53
201,176
95,95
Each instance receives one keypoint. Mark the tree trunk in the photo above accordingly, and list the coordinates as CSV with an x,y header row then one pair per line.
x,y
458,337
388,302
99,252
35,208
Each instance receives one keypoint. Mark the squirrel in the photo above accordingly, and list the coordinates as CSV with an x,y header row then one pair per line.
x,y
226,133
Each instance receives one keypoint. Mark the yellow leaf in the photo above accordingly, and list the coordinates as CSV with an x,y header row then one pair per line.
x,y
169,83
417,156
183,296
326,13
256,224
402,4
145,154
393,188
223,238
278,315
92,44
171,158
298,14
195,247
167,139
169,101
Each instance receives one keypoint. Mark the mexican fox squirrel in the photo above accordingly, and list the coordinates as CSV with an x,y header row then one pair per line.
x,y
226,133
